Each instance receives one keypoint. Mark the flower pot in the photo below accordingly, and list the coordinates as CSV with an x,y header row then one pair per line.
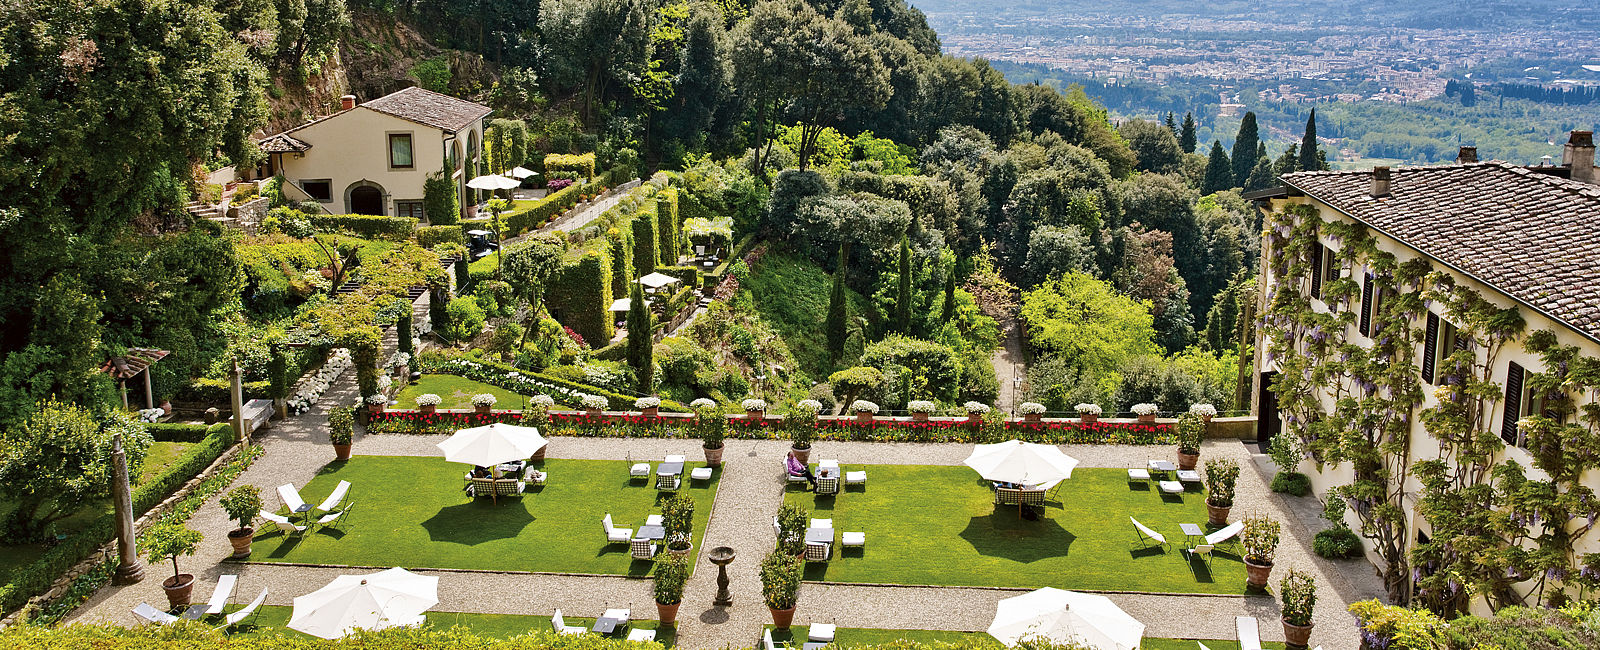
x,y
179,586
802,455
341,452
1089,418
1206,419
1147,419
166,406
681,552
865,416
668,614
782,618
1218,516
974,418
1256,575
593,413
376,409
240,538
755,415
539,455
1188,461
651,412
429,409
1032,417
483,409
713,457
1297,636
919,417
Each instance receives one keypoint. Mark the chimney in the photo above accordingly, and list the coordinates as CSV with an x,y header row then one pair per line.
x,y
1578,156
1380,182
1467,155
347,102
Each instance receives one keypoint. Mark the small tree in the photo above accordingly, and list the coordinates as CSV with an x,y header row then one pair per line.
x,y
710,425
242,503
641,339
169,541
341,425
439,202
58,460
1191,431
838,311
801,424
902,299
1299,593
792,529
671,574
1260,538
780,579
677,517
402,331
1222,474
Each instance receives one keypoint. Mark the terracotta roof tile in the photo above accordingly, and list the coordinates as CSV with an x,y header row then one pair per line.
x,y
1532,236
427,107
283,143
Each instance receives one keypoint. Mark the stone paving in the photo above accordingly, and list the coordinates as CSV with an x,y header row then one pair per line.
x,y
750,491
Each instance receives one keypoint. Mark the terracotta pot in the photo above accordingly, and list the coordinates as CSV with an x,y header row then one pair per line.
x,y
241,538
1256,575
803,455
1089,418
782,618
483,409
974,418
166,406
1218,516
178,588
341,452
681,552
1147,419
651,412
919,417
1032,417
1297,636
668,614
377,409
539,455
865,416
713,457
1188,461
593,413
429,409
1206,419
755,415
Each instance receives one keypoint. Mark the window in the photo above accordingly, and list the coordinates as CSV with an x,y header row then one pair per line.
x,y
400,150
1324,269
1522,400
411,209
321,190
1368,304
1441,340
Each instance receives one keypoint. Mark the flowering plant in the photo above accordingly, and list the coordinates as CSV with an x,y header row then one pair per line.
x,y
754,404
702,403
1145,409
311,387
1203,410
384,382
429,399
647,403
1260,538
861,405
1030,408
920,406
377,400
978,408
399,359
484,399
1088,409
150,415
811,405
542,401
595,402
1299,591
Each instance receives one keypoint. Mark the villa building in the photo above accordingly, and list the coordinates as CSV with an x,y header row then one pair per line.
x,y
1523,237
373,157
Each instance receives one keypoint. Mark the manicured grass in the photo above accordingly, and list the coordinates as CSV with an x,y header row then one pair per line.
x,y
159,457
938,526
410,511
845,638
457,393
274,619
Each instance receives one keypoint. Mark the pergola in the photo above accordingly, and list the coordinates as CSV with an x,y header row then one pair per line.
x,y
135,363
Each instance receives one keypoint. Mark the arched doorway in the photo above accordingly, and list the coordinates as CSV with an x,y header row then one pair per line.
x,y
365,197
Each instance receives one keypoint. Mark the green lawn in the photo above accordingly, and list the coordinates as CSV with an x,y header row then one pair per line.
x,y
274,619
410,511
846,638
159,457
457,393
938,526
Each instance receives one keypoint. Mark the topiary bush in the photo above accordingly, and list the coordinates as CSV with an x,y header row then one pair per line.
x,y
365,226
1336,543
580,293
1291,483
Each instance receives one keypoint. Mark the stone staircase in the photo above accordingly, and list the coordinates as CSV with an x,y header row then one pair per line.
x,y
205,211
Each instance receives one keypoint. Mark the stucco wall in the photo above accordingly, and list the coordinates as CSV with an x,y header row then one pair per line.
x,y
353,146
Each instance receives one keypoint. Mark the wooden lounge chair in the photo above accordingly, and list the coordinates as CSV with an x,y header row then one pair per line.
x,y
149,613
248,611
561,627
1147,536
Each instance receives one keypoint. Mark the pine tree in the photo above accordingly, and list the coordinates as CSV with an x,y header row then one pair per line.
x,y
837,310
640,339
1219,174
1308,145
1245,148
1260,177
1172,125
949,308
1186,137
1289,162
902,301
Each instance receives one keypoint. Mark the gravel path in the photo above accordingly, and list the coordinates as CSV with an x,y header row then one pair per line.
x,y
591,212
1008,365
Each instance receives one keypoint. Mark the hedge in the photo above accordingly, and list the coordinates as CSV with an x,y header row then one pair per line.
x,y
526,381
217,391
646,242
619,215
528,218
667,225
365,226
619,241
430,236
579,293
163,432
580,163
737,253
34,579
689,275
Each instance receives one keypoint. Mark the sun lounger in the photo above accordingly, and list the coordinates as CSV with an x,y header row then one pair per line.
x,y
333,500
1146,534
1225,534
1249,633
560,624
221,594
334,517
291,498
283,523
149,613
248,611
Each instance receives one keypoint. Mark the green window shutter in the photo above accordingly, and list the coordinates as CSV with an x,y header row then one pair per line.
x,y
1513,412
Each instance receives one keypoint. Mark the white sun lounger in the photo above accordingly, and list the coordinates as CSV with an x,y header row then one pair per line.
x,y
221,594
1249,633
1225,534
283,522
1146,534
242,614
291,498
561,627
333,500
149,613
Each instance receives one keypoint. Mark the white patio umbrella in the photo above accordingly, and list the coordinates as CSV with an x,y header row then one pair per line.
x,y
521,172
374,601
1066,617
658,280
1025,463
491,445
493,182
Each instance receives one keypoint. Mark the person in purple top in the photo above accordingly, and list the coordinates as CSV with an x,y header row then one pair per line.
x,y
797,468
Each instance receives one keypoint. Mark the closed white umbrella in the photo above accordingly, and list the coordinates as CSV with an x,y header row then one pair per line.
x,y
1063,616
491,445
493,182
1024,463
521,172
375,601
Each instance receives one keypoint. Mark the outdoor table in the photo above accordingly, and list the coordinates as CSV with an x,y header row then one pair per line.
x,y
1162,466
827,480
512,467
1191,531
819,535
651,532
608,622
669,469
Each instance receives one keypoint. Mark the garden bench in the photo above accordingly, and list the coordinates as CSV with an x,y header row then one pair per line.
x,y
1018,497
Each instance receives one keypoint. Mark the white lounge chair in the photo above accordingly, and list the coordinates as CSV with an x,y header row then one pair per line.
x,y
822,632
1231,531
1204,551
149,613
221,593
334,517
641,635
252,608
767,643
616,535
1145,534
283,523
638,470
1171,487
291,498
561,627
1249,633
333,500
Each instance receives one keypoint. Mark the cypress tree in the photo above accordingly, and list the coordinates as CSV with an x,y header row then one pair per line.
x,y
949,308
1187,137
463,274
1245,148
640,343
902,302
1219,174
1308,145
1260,177
402,330
1172,125
837,308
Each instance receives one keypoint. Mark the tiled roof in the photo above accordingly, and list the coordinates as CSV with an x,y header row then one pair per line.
x,y
283,143
427,107
1532,236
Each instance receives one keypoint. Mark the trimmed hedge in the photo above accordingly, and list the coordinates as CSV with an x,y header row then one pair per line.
x,y
721,269
430,236
667,225
580,163
216,391
34,579
522,381
523,220
579,293
646,243
690,276
177,432
365,226
619,241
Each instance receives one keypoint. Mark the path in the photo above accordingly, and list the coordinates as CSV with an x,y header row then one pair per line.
x,y
1008,366
591,212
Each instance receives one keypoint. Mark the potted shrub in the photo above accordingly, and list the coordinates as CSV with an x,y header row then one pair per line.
x,y
1298,590
792,522
801,421
242,503
672,573
1204,411
169,541
484,403
975,411
920,409
754,409
709,423
1190,431
1146,412
677,517
865,411
780,586
1031,411
1222,475
341,429
1089,413
648,406
428,403
376,404
594,405
1260,541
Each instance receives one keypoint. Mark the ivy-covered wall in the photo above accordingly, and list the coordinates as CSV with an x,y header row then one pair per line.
x,y
619,242
646,244
667,225
579,294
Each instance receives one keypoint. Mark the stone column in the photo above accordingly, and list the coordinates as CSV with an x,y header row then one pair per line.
x,y
237,391
129,569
